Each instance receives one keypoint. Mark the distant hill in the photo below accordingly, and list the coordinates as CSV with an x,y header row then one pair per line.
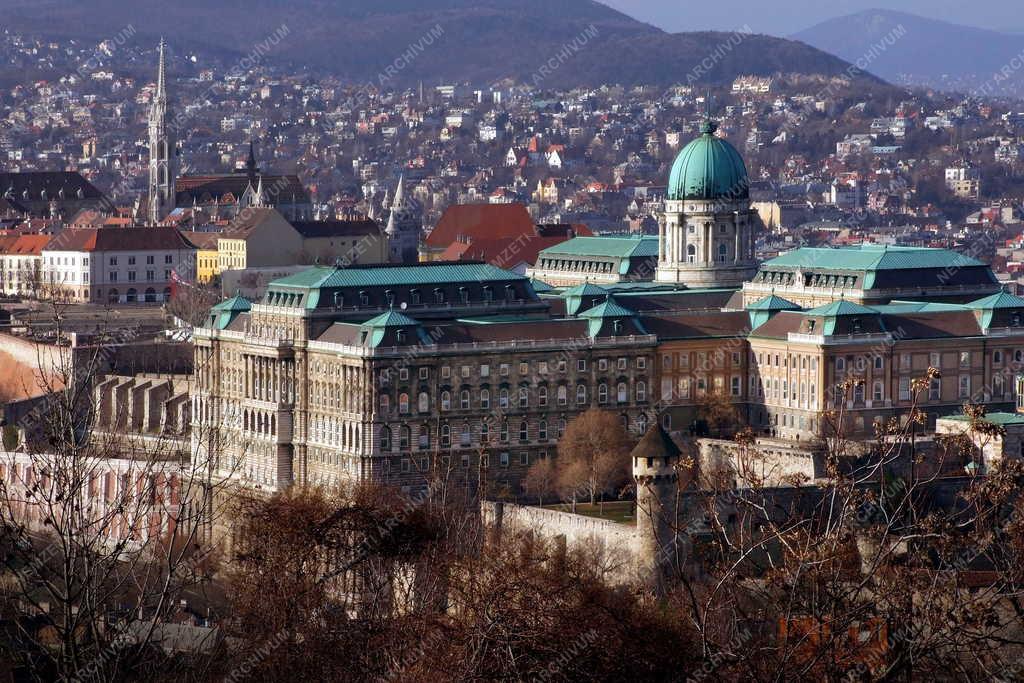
x,y
479,40
905,48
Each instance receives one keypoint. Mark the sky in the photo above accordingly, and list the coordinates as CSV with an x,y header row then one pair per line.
x,y
785,17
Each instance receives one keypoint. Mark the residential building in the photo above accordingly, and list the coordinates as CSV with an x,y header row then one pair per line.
x,y
117,265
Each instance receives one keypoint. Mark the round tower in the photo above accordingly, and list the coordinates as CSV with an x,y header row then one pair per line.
x,y
658,531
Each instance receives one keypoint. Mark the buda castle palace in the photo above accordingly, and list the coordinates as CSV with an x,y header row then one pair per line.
x,y
386,373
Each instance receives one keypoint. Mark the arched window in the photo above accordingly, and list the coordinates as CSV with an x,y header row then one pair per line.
x,y
503,398
403,438
464,399
691,254
623,392
446,400
424,437
446,436
641,423
602,393
723,252
858,392
877,392
641,391
385,438
424,402
563,395
524,431
485,398
485,432
542,396
581,394
385,403
503,434
403,403
524,397
466,436
542,430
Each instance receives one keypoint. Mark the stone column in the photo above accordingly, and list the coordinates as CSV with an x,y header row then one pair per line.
x,y
662,227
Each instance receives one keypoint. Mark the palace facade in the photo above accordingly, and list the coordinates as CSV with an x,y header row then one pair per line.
x,y
388,373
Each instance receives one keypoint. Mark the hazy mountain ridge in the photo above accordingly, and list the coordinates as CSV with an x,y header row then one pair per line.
x,y
479,40
927,51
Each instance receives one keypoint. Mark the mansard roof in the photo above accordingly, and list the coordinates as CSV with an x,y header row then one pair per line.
x,y
620,247
871,257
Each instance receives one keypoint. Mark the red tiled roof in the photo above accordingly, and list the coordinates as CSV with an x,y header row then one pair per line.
x,y
118,239
469,222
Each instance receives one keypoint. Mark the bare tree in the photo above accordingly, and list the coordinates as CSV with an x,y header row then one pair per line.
x,y
104,535
593,454
541,479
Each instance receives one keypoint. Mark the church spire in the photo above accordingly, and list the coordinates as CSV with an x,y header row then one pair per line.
x,y
162,157
161,78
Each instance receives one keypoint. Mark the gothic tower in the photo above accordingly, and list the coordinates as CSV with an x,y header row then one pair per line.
x,y
706,238
404,226
162,163
662,545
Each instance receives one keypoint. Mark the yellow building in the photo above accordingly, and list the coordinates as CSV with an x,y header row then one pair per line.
x,y
207,265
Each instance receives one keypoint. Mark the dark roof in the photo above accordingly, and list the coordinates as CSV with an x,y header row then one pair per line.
x,y
208,188
118,239
698,325
14,185
656,443
354,228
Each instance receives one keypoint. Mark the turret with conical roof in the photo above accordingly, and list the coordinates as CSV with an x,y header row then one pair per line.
x,y
655,460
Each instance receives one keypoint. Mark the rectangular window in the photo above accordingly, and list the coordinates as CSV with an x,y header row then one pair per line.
x,y
602,364
622,363
736,385
503,458
464,370
424,373
403,373
965,359
905,360
935,360
879,363
666,361
485,370
935,390
168,259
904,388
581,365
503,370
149,260
965,386
641,363
542,367
446,372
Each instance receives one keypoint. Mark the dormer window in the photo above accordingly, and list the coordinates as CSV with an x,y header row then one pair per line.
x,y
1015,320
856,324
464,295
389,296
617,327
364,298
810,325
414,296
400,337
438,295
339,300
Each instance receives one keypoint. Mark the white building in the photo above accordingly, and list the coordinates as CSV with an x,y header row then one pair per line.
x,y
118,265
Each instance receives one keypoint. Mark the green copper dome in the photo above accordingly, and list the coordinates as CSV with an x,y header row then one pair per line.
x,y
708,168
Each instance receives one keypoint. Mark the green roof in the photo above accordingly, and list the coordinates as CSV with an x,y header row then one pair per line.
x,y
1002,419
609,308
621,247
238,304
383,276
870,257
390,319
222,314
585,289
708,168
840,308
773,303
998,300
540,286
900,307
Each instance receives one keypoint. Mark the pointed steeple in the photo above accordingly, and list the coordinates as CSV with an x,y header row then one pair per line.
x,y
399,192
258,201
161,78
162,152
